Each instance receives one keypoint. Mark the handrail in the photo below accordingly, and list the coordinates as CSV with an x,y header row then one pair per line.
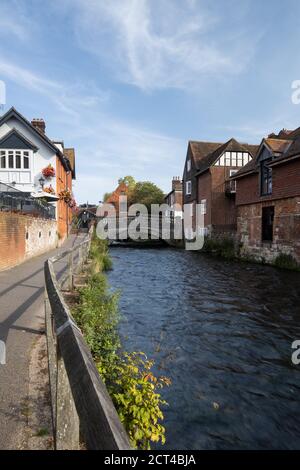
x,y
81,405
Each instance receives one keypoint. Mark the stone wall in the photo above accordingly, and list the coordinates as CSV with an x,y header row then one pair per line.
x,y
23,237
286,230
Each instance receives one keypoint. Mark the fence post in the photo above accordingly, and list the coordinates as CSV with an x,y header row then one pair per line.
x,y
70,269
80,258
67,421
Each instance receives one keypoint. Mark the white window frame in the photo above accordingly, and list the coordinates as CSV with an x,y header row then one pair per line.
x,y
203,206
14,170
188,187
14,152
188,165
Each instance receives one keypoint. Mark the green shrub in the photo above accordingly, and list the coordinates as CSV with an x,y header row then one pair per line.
x,y
99,255
224,248
133,389
284,261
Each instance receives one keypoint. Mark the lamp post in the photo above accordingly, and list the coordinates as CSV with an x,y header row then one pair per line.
x,y
42,182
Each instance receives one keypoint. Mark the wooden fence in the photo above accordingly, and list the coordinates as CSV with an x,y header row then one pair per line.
x,y
83,414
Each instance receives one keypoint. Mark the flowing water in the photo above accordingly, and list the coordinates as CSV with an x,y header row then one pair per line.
x,y
222,331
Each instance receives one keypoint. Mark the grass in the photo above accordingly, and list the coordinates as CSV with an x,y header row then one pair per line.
x,y
224,248
284,261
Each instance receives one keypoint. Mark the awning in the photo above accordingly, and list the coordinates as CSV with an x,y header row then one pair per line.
x,y
44,195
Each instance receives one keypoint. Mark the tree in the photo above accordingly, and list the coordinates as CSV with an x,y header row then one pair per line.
x,y
106,196
146,193
129,181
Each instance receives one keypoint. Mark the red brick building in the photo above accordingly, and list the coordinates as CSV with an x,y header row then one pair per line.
x,y
268,199
206,181
114,198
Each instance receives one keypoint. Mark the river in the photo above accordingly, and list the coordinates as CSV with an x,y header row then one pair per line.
x,y
222,331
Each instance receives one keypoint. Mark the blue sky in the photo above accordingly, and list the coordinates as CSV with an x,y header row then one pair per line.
x,y
129,82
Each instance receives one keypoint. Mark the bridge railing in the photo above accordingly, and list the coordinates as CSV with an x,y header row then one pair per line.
x,y
83,414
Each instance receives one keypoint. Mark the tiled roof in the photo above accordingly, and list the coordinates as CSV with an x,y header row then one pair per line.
x,y
114,197
207,153
288,148
278,145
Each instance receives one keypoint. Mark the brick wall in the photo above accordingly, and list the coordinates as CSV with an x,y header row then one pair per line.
x,y
23,237
223,205
285,183
286,230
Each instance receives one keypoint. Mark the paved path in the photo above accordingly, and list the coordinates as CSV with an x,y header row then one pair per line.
x,y
21,320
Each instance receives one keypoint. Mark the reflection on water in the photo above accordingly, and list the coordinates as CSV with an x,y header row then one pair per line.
x,y
222,331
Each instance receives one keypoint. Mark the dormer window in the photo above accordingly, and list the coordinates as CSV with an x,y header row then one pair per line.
x,y
266,178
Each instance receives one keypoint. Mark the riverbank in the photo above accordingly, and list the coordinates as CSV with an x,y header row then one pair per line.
x,y
227,248
128,376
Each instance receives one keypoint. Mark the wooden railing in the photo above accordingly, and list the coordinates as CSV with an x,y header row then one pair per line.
x,y
83,414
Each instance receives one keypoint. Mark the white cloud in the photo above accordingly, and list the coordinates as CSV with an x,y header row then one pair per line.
x,y
106,147
69,99
157,44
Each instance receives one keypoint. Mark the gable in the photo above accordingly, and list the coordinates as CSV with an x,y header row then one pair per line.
x,y
264,153
15,140
13,116
236,159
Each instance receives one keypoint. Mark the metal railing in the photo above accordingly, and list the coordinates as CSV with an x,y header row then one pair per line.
x,y
14,200
82,411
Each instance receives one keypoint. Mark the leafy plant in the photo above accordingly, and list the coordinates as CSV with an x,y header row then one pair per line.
x,y
133,389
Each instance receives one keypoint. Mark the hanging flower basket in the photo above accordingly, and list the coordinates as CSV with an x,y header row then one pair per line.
x,y
48,172
49,190
65,196
72,203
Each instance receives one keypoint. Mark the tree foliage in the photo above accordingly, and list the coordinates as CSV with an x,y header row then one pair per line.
x,y
146,193
106,196
129,181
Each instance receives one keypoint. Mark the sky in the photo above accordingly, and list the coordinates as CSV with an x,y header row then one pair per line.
x,y
129,82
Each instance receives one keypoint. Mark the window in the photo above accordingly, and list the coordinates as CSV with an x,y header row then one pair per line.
x,y
267,223
246,158
10,159
265,178
233,159
26,160
14,159
203,206
188,187
188,165
232,183
227,159
2,159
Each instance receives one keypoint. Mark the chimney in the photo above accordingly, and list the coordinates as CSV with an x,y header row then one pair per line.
x,y
39,125
176,183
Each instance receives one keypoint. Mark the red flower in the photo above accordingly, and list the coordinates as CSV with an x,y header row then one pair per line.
x,y
48,172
